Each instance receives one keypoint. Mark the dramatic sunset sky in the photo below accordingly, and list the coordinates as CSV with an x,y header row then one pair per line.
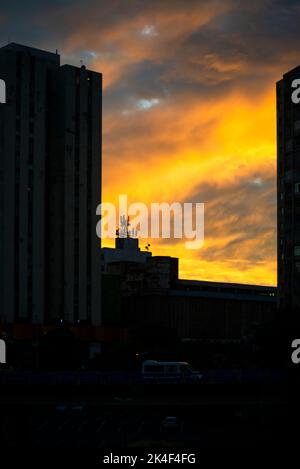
x,y
189,110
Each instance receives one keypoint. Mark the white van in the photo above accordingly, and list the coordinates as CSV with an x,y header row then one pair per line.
x,y
169,371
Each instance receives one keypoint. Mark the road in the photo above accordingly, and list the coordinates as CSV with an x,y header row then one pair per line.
x,y
206,422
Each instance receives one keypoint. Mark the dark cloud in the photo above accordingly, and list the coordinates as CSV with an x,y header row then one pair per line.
x,y
242,41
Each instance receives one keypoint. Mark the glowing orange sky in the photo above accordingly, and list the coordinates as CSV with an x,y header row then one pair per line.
x,y
188,111
239,145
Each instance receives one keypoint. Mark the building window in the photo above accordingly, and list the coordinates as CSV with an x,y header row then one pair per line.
x,y
297,127
297,251
297,188
289,145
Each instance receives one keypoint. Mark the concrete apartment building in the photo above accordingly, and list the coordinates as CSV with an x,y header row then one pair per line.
x,y
50,186
288,192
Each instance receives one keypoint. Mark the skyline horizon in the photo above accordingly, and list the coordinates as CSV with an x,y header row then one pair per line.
x,y
108,243
189,113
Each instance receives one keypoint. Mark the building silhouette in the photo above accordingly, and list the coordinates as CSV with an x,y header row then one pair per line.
x,y
288,192
150,295
50,177
126,249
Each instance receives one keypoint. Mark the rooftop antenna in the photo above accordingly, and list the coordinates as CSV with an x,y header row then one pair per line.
x,y
128,225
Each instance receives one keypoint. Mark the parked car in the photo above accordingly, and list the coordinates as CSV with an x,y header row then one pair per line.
x,y
170,422
164,372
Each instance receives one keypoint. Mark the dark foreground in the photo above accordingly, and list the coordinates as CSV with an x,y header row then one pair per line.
x,y
211,417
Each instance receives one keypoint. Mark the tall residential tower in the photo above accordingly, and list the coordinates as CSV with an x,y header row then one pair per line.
x,y
288,191
50,185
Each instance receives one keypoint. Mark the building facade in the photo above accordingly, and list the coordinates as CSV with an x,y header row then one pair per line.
x,y
288,191
50,186
203,310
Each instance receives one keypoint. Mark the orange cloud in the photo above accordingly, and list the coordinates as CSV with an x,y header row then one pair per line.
x,y
238,144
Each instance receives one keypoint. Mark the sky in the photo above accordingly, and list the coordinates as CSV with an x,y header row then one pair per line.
x,y
189,112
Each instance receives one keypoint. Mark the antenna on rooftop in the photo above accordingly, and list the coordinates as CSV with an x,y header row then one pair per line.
x,y
128,225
